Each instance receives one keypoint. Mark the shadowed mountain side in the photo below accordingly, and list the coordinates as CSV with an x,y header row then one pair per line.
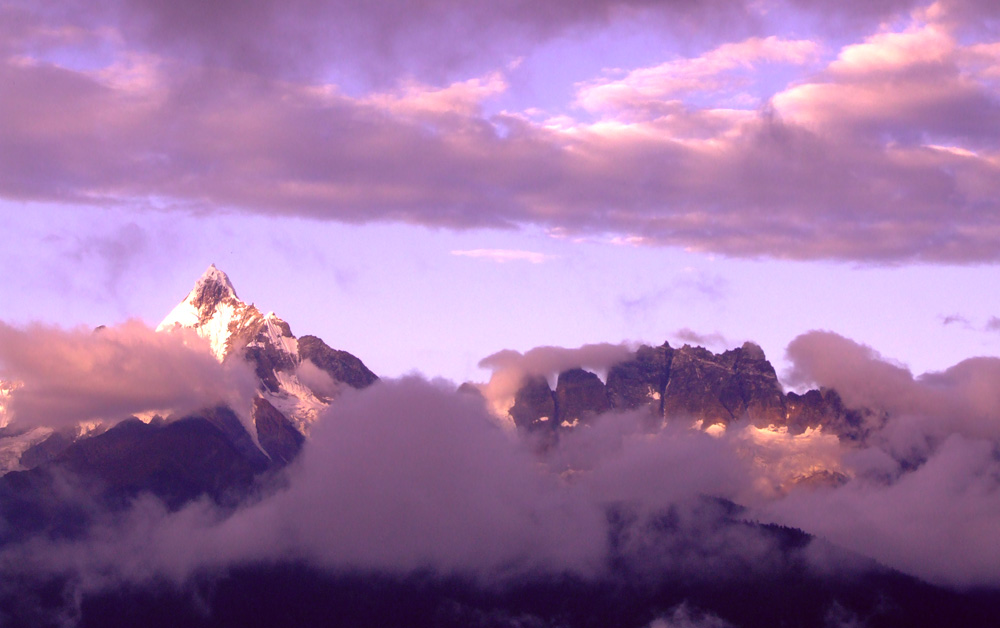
x,y
641,381
580,396
276,434
340,365
177,462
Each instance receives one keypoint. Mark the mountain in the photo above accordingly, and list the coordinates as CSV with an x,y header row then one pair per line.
x,y
171,521
283,408
213,452
689,383
237,330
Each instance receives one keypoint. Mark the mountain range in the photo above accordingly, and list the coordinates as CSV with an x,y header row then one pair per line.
x,y
687,383
61,484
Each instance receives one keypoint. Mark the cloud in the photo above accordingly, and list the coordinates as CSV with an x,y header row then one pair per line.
x,y
409,476
553,360
692,284
511,367
448,490
886,155
651,89
858,372
317,380
963,399
369,39
956,319
924,492
686,334
506,255
936,522
935,85
993,324
70,376
683,617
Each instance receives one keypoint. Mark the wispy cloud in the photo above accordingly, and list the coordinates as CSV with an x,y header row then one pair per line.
x,y
956,319
502,256
712,339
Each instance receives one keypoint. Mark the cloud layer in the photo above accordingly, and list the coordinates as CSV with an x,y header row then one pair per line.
x,y
881,149
409,475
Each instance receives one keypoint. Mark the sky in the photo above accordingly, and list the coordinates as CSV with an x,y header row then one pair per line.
x,y
426,186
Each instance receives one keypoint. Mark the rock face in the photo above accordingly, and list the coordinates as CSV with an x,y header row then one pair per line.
x,y
640,382
689,383
825,407
736,384
580,396
340,365
277,436
534,405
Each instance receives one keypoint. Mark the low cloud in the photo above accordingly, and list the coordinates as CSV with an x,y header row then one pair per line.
x,y
511,367
686,334
317,380
410,476
924,495
70,376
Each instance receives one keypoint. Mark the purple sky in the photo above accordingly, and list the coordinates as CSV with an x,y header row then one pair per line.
x,y
426,186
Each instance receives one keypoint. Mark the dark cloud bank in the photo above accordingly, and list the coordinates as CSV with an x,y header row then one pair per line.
x,y
232,105
411,505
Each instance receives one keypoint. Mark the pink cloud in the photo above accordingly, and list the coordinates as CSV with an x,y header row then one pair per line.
x,y
711,71
69,376
889,155
505,255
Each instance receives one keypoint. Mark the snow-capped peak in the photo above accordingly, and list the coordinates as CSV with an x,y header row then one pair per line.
x,y
212,309
235,328
213,275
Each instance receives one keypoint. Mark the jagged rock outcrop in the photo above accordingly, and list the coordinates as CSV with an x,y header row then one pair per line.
x,y
340,365
534,405
580,396
696,385
689,383
276,434
825,408
640,382
723,388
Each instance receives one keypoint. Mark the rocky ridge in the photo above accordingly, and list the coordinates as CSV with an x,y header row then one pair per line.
x,y
237,330
687,383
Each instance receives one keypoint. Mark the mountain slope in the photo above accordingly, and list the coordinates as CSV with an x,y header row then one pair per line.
x,y
237,330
